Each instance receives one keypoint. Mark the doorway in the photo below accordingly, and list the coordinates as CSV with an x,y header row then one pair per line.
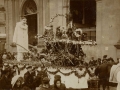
x,y
32,28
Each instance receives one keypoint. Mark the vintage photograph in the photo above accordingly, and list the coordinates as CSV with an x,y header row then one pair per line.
x,y
59,44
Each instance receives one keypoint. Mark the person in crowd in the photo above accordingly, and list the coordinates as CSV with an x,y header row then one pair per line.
x,y
57,83
4,56
35,71
42,73
28,78
16,69
45,85
5,82
99,61
115,74
92,61
17,82
104,60
103,73
9,56
38,80
13,74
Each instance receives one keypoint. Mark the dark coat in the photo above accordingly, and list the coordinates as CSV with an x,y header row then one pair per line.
x,y
103,71
43,88
62,87
39,78
42,74
28,80
5,83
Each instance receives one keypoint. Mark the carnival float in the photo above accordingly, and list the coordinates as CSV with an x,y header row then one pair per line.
x,y
62,54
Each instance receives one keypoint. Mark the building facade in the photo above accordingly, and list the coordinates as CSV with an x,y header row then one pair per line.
x,y
104,28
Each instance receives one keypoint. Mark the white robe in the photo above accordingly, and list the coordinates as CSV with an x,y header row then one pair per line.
x,y
118,80
21,37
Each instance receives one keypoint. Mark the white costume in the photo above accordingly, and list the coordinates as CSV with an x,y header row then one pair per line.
x,y
21,38
118,80
115,75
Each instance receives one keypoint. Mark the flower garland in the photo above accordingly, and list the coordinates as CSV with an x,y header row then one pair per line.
x,y
52,19
67,74
55,72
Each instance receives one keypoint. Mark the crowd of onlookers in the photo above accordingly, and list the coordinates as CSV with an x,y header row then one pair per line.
x,y
33,79
11,79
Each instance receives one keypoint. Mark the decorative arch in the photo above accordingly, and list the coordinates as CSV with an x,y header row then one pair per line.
x,y
28,7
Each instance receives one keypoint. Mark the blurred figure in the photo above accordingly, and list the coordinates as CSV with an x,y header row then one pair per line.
x,y
115,75
5,82
17,82
57,83
16,69
28,78
45,85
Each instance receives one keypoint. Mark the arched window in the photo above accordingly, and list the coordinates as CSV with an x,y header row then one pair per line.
x,y
29,7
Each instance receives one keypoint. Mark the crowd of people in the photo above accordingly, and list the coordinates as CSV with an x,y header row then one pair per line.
x,y
10,77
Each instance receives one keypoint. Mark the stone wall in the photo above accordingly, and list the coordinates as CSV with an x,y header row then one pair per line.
x,y
2,25
108,24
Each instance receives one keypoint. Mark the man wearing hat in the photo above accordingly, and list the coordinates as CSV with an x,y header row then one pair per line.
x,y
29,78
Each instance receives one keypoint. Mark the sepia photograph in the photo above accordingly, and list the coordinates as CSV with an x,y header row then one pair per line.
x,y
59,44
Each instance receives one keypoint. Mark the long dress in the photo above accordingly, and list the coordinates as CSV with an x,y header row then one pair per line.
x,y
21,39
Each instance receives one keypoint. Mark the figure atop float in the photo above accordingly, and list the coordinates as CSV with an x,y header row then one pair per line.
x,y
20,38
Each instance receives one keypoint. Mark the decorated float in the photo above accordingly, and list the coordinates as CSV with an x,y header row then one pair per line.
x,y
63,55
